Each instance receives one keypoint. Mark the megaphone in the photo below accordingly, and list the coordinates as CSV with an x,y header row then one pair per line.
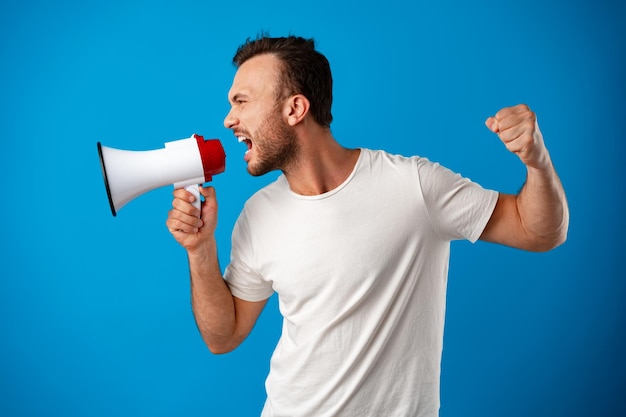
x,y
183,163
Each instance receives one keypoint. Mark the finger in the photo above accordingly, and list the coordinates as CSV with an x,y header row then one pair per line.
x,y
523,129
184,207
492,124
181,222
524,122
516,145
183,203
184,195
513,116
513,133
507,117
510,111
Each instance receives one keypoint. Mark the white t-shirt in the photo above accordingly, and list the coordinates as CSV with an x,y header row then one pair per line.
x,y
361,274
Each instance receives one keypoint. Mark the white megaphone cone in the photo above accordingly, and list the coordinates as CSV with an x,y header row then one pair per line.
x,y
183,163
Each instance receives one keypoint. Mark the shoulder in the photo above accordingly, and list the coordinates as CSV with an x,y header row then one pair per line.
x,y
411,166
382,158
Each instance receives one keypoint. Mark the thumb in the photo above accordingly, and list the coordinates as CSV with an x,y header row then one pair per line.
x,y
209,209
492,124
210,199
207,192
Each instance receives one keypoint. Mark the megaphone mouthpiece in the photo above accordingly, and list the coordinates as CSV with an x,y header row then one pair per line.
x,y
212,156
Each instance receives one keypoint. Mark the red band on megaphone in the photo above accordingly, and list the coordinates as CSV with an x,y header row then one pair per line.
x,y
212,155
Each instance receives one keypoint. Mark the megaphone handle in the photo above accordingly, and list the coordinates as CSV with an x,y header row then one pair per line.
x,y
193,189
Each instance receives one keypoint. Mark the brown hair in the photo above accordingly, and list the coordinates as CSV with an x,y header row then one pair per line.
x,y
305,71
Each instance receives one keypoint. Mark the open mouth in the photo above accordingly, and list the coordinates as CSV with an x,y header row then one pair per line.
x,y
247,141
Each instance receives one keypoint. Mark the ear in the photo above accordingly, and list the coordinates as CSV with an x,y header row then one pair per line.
x,y
296,108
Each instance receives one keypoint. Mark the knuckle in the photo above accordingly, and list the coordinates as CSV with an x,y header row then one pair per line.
x,y
529,123
527,112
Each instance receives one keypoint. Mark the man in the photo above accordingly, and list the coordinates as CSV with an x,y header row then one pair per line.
x,y
354,241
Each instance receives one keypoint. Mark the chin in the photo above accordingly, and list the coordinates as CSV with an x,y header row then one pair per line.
x,y
254,170
257,170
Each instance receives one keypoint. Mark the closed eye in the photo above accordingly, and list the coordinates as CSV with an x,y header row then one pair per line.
x,y
238,99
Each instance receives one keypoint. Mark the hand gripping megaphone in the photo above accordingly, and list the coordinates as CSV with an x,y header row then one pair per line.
x,y
183,163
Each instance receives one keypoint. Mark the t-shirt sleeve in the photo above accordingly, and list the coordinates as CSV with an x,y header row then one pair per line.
x,y
457,207
243,280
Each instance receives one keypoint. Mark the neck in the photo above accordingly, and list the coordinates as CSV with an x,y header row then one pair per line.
x,y
322,164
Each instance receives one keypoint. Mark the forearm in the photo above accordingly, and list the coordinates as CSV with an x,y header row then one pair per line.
x,y
211,300
543,209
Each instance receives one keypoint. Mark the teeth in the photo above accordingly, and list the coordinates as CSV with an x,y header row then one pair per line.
x,y
247,140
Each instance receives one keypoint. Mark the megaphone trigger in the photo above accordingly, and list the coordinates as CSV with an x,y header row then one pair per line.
x,y
193,189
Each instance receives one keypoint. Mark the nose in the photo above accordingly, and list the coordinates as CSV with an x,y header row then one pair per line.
x,y
230,121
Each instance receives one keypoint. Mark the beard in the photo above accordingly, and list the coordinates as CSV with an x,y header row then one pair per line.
x,y
275,146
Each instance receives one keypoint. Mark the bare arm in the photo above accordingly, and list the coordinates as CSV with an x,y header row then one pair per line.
x,y
537,218
224,321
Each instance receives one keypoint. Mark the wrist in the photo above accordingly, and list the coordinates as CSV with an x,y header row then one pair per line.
x,y
204,251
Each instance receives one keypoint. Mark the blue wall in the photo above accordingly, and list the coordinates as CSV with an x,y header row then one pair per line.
x,y
94,310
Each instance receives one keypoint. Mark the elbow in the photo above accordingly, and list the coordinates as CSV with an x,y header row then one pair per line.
x,y
553,237
221,347
552,241
546,245
219,350
559,236
561,239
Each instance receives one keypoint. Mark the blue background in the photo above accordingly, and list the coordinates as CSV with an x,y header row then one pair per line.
x,y
95,317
